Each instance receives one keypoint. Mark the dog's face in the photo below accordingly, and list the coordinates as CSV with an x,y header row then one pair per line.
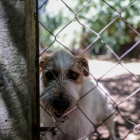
x,y
61,79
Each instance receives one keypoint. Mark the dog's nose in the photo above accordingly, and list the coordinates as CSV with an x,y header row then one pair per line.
x,y
61,104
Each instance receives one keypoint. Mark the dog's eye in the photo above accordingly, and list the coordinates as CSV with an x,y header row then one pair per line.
x,y
50,75
73,75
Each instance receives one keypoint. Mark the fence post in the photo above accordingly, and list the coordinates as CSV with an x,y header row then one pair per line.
x,y
32,41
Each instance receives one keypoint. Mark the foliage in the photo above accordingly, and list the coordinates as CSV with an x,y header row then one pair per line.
x,y
96,15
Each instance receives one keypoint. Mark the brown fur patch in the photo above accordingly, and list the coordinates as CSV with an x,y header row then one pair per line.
x,y
79,70
43,58
48,64
79,80
84,62
44,79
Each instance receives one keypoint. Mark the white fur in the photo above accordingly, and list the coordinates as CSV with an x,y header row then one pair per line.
x,y
95,105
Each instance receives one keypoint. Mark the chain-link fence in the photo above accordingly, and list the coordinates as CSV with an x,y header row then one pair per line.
x,y
54,127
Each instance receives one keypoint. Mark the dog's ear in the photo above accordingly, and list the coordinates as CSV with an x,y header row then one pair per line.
x,y
84,63
43,59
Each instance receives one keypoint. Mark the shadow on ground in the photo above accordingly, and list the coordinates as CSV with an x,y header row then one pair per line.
x,y
120,87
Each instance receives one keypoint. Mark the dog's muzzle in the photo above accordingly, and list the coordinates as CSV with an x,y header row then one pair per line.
x,y
61,106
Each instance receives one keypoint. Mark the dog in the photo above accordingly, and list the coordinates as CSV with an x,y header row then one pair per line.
x,y
73,102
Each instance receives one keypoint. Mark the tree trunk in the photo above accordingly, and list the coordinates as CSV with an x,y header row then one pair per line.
x,y
15,116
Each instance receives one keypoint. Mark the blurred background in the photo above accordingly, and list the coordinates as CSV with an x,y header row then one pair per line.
x,y
55,15
124,78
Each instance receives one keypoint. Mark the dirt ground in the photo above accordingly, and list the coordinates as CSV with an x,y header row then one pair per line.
x,y
120,84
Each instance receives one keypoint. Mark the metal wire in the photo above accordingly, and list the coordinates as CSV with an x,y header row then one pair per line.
x,y
98,38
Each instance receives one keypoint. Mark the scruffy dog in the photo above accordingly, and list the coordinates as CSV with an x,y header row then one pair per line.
x,y
67,96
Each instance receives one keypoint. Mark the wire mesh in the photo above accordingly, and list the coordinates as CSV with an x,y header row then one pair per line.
x,y
54,128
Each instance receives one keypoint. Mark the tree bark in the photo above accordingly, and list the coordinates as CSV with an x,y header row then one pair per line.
x,y
15,58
